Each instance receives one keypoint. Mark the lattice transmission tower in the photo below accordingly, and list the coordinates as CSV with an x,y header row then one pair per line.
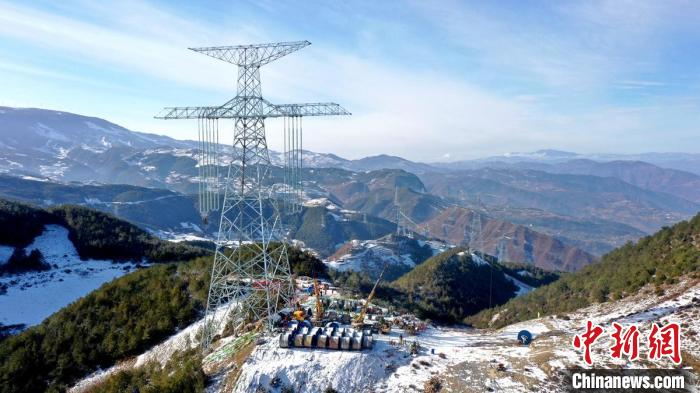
x,y
403,221
251,278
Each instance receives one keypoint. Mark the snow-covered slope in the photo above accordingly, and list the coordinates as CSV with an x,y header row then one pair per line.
x,y
33,296
463,359
370,256
470,360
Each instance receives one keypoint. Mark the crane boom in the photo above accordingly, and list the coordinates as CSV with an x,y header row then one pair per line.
x,y
361,317
318,317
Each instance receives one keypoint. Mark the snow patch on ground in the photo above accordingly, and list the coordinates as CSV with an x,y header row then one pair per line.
x,y
5,253
191,225
33,296
371,255
310,370
478,259
25,177
522,287
49,133
182,237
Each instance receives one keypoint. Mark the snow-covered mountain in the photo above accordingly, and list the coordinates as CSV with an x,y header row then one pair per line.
x,y
551,192
63,146
55,132
399,253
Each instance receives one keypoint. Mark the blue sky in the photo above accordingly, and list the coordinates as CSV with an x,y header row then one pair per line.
x,y
427,80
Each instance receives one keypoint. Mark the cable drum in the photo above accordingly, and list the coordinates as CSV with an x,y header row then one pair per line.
x,y
524,337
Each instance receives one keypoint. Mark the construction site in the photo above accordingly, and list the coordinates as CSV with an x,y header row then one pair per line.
x,y
253,291
331,319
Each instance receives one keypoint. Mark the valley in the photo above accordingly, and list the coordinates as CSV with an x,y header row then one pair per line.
x,y
591,203
485,249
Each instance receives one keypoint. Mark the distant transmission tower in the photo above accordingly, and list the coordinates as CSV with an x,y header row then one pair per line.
x,y
251,276
403,220
400,228
475,232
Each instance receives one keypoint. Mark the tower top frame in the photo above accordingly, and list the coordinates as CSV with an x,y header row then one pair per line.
x,y
254,55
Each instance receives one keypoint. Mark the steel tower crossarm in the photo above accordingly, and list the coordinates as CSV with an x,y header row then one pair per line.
x,y
309,109
252,55
234,109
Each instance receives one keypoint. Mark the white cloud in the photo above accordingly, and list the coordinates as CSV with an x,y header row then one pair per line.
x,y
134,43
397,109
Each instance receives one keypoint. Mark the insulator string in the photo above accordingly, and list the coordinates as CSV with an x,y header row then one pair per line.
x,y
292,160
284,163
199,163
294,166
203,167
301,163
210,168
207,164
216,166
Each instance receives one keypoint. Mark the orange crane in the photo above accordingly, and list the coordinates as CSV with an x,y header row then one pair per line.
x,y
318,316
360,319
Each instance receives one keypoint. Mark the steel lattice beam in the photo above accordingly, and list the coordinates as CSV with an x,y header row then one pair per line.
x,y
235,110
252,55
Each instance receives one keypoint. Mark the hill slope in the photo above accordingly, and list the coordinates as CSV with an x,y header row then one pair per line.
x,y
120,319
325,227
637,173
95,234
505,240
140,205
399,253
581,196
456,283
376,193
659,259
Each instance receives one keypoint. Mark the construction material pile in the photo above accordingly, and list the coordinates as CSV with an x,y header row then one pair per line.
x,y
332,336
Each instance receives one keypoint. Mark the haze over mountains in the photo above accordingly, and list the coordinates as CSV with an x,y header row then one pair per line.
x,y
554,209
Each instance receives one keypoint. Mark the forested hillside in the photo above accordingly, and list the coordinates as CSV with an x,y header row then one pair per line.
x,y
120,319
325,230
456,283
658,259
95,234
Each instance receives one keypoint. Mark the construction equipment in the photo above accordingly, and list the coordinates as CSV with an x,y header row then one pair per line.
x,y
360,319
318,316
385,328
299,314
384,325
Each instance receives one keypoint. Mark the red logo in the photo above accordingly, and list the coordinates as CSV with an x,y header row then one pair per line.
x,y
662,341
592,333
627,343
665,341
